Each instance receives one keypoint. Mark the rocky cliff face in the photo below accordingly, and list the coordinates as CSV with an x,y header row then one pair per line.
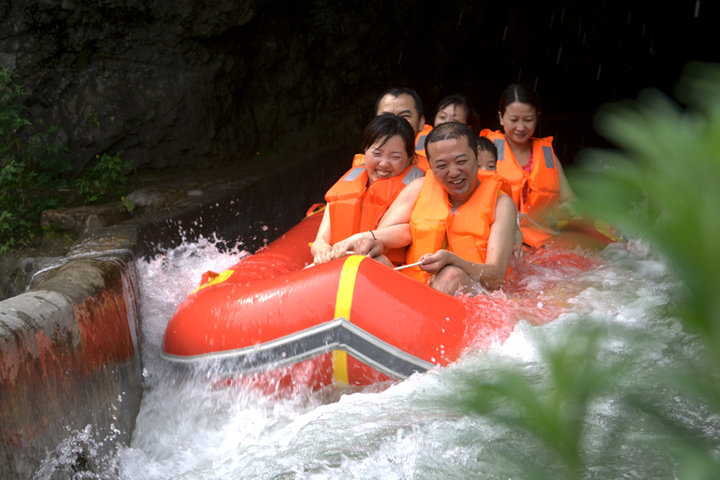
x,y
203,82
133,76
166,83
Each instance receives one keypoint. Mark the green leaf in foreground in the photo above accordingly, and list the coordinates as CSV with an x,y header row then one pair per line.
x,y
661,183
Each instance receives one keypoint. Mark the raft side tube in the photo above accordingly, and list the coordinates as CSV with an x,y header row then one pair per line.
x,y
288,253
355,306
409,315
337,334
231,316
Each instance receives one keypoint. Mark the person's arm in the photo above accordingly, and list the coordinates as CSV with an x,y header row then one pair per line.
x,y
321,249
391,236
373,249
500,242
566,192
393,230
517,250
490,274
394,236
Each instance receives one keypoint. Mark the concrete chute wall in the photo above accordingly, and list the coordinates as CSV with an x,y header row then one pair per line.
x,y
69,347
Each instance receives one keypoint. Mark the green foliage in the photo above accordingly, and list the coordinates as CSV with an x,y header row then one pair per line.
x,y
89,15
35,174
108,173
33,168
671,160
93,118
660,183
550,406
669,170
11,119
128,204
92,17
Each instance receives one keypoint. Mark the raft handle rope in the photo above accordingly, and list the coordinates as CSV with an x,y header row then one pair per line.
x,y
349,252
409,265
401,267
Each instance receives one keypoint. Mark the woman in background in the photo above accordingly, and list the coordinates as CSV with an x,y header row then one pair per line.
x,y
540,189
455,108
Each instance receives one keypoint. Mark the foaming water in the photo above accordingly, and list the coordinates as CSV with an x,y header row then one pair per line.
x,y
167,279
189,428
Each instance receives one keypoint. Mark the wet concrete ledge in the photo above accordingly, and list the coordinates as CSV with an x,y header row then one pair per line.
x,y
70,346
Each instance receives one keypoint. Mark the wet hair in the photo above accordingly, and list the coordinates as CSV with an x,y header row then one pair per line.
x,y
456,99
518,92
487,145
449,130
396,92
385,126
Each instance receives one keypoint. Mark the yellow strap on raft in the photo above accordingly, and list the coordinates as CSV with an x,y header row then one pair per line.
x,y
343,305
214,278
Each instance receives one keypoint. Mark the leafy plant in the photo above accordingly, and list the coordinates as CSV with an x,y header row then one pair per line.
x,y
33,167
128,204
103,177
550,406
670,160
36,175
661,183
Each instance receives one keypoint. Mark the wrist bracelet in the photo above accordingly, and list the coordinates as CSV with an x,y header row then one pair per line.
x,y
373,234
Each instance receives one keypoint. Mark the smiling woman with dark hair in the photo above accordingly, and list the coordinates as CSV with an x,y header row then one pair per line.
x,y
359,199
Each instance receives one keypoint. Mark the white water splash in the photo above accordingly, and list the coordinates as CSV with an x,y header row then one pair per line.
x,y
189,429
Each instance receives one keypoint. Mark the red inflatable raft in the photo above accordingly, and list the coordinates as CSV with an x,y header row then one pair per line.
x,y
270,320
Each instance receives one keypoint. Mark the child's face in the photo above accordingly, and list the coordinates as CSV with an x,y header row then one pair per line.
x,y
486,160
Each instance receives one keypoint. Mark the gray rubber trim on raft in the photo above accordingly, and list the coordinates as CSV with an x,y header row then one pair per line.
x,y
337,334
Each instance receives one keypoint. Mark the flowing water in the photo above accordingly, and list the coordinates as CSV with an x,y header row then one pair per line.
x,y
188,428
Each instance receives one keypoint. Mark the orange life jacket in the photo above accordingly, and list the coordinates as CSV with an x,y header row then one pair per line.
x,y
467,230
532,192
422,161
354,207
358,160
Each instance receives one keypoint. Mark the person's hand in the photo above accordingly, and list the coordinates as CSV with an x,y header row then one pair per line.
x,y
369,247
517,248
517,251
341,248
323,254
567,210
434,262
